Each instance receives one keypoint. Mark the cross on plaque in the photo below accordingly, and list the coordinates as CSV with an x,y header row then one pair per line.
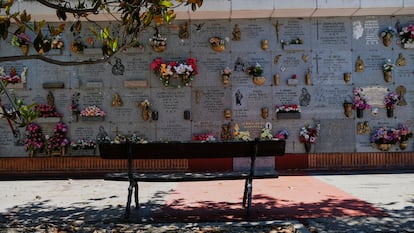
x,y
277,29
317,58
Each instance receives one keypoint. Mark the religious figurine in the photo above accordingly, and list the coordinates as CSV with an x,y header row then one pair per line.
x,y
236,33
401,91
2,72
225,134
50,99
23,75
183,33
117,101
118,68
401,61
227,114
276,59
13,72
265,113
359,66
308,77
265,44
145,110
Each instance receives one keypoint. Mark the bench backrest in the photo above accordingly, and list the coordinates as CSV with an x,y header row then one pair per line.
x,y
186,150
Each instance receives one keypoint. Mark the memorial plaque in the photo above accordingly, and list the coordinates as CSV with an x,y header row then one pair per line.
x,y
332,97
248,102
332,32
336,135
375,95
210,103
331,66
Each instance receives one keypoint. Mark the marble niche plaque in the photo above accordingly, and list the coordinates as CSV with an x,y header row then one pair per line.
x,y
330,66
336,135
209,103
331,32
375,95
248,102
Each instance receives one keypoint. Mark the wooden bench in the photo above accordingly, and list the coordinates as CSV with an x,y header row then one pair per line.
x,y
189,150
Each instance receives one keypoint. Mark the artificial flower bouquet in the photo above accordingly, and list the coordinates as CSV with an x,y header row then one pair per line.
x,y
359,101
282,134
287,108
34,138
385,135
389,31
46,110
388,66
92,111
18,40
391,99
58,140
82,143
404,133
309,134
255,70
186,70
203,137
407,34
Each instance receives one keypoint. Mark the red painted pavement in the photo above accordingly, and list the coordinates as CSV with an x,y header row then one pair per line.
x,y
288,197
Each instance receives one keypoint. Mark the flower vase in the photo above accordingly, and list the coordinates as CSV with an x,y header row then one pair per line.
x,y
360,113
386,40
25,49
308,147
390,112
388,76
158,48
384,147
226,79
348,109
403,145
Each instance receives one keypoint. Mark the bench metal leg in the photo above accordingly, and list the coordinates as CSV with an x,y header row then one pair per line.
x,y
245,193
128,205
136,195
249,198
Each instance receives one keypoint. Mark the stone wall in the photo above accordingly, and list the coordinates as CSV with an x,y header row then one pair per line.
x,y
330,48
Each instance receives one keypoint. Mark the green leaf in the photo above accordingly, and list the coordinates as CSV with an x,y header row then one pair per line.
x,y
165,3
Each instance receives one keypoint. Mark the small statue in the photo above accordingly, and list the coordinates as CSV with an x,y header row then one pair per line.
x,y
50,99
401,61
183,33
225,134
401,91
23,75
359,67
117,101
145,110
236,33
2,72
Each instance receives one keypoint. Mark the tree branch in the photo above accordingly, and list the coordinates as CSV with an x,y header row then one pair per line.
x,y
93,10
54,61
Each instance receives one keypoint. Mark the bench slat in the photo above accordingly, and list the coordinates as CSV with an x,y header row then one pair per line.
x,y
190,176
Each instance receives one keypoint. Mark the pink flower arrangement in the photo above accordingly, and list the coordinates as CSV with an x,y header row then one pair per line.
x,y
92,111
34,138
46,110
287,108
359,99
58,140
282,134
391,99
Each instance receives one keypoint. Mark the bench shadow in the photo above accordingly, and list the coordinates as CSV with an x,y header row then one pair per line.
x,y
263,208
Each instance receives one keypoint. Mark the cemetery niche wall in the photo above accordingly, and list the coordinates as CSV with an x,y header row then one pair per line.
x,y
314,63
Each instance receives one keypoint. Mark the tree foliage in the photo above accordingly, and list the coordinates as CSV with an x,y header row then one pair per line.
x,y
133,16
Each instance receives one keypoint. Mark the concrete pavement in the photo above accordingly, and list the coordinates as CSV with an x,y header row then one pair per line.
x,y
352,202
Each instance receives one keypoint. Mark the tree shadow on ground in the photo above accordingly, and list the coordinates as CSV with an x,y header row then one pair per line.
x,y
342,214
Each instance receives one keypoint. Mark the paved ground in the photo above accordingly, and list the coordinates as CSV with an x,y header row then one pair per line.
x,y
353,202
